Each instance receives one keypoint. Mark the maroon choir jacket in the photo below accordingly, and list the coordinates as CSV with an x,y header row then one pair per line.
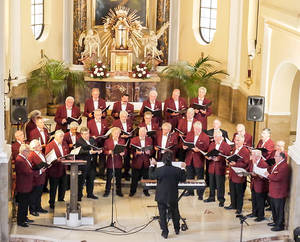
x,y
248,139
170,103
57,169
154,125
157,105
117,108
24,175
67,139
29,127
269,145
279,181
15,150
172,141
142,160
35,134
118,159
117,123
242,163
183,125
200,116
272,155
38,179
89,106
93,127
259,184
219,167
61,113
202,144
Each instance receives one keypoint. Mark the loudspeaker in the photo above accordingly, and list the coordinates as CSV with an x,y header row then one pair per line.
x,y
255,108
297,234
18,110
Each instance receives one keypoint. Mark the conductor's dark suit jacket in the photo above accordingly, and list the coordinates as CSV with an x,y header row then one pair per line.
x,y
167,178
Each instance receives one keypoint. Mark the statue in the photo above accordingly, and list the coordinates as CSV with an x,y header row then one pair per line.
x,y
90,40
150,43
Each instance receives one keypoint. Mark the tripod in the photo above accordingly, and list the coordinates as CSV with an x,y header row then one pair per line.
x,y
242,221
112,222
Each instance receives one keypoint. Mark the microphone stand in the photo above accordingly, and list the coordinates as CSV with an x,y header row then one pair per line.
x,y
112,222
242,221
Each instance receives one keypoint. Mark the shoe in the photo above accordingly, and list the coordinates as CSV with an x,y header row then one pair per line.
x,y
29,220
221,204
127,178
92,196
164,234
229,207
277,229
120,194
200,197
177,231
238,212
250,215
34,214
146,193
209,200
51,206
106,194
131,194
61,200
271,224
41,210
23,225
259,219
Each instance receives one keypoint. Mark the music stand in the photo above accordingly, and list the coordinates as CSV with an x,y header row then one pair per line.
x,y
112,222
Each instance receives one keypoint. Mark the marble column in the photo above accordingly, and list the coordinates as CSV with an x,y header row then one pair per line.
x,y
79,25
174,31
67,31
3,149
163,16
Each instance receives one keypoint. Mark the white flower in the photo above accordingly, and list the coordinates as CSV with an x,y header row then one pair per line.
x,y
148,75
143,62
137,66
145,68
134,75
92,75
96,69
139,75
144,72
138,69
95,72
103,66
99,61
107,74
95,66
102,73
98,74
101,69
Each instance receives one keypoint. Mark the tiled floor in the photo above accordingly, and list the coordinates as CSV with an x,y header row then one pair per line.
x,y
206,222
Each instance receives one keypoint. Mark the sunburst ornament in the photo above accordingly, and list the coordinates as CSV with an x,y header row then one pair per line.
x,y
122,30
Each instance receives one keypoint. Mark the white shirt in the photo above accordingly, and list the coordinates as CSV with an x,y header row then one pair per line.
x,y
238,150
276,165
176,105
95,104
43,135
200,101
69,112
218,146
124,126
263,144
42,157
152,106
189,125
98,124
142,142
164,141
115,142
59,147
123,106
195,139
149,127
73,138
256,164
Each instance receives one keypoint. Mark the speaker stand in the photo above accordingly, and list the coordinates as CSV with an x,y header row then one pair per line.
x,y
254,128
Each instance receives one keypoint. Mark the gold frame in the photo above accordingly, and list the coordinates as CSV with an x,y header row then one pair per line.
x,y
151,13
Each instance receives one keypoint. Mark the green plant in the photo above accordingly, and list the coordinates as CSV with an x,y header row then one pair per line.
x,y
191,77
52,76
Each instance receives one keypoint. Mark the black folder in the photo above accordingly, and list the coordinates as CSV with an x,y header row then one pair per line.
x,y
149,147
190,145
201,106
119,148
71,119
155,112
182,111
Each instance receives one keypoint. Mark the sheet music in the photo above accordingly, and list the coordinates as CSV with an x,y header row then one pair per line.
x,y
75,151
239,170
175,163
260,171
51,156
229,142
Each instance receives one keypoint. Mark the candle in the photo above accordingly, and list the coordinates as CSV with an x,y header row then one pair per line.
x,y
106,50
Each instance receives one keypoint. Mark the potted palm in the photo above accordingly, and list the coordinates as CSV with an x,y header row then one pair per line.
x,y
52,76
189,77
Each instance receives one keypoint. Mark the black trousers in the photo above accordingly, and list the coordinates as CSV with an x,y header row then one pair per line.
x,y
35,198
180,154
207,181
277,206
88,176
236,195
137,174
101,164
109,176
59,184
258,203
166,210
126,164
217,182
23,204
191,172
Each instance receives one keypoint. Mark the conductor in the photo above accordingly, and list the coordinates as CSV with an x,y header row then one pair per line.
x,y
166,195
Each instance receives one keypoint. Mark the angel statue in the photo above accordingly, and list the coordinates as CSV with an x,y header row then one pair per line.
x,y
150,42
90,41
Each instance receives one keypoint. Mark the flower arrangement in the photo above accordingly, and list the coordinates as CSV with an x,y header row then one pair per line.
x,y
99,70
141,71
